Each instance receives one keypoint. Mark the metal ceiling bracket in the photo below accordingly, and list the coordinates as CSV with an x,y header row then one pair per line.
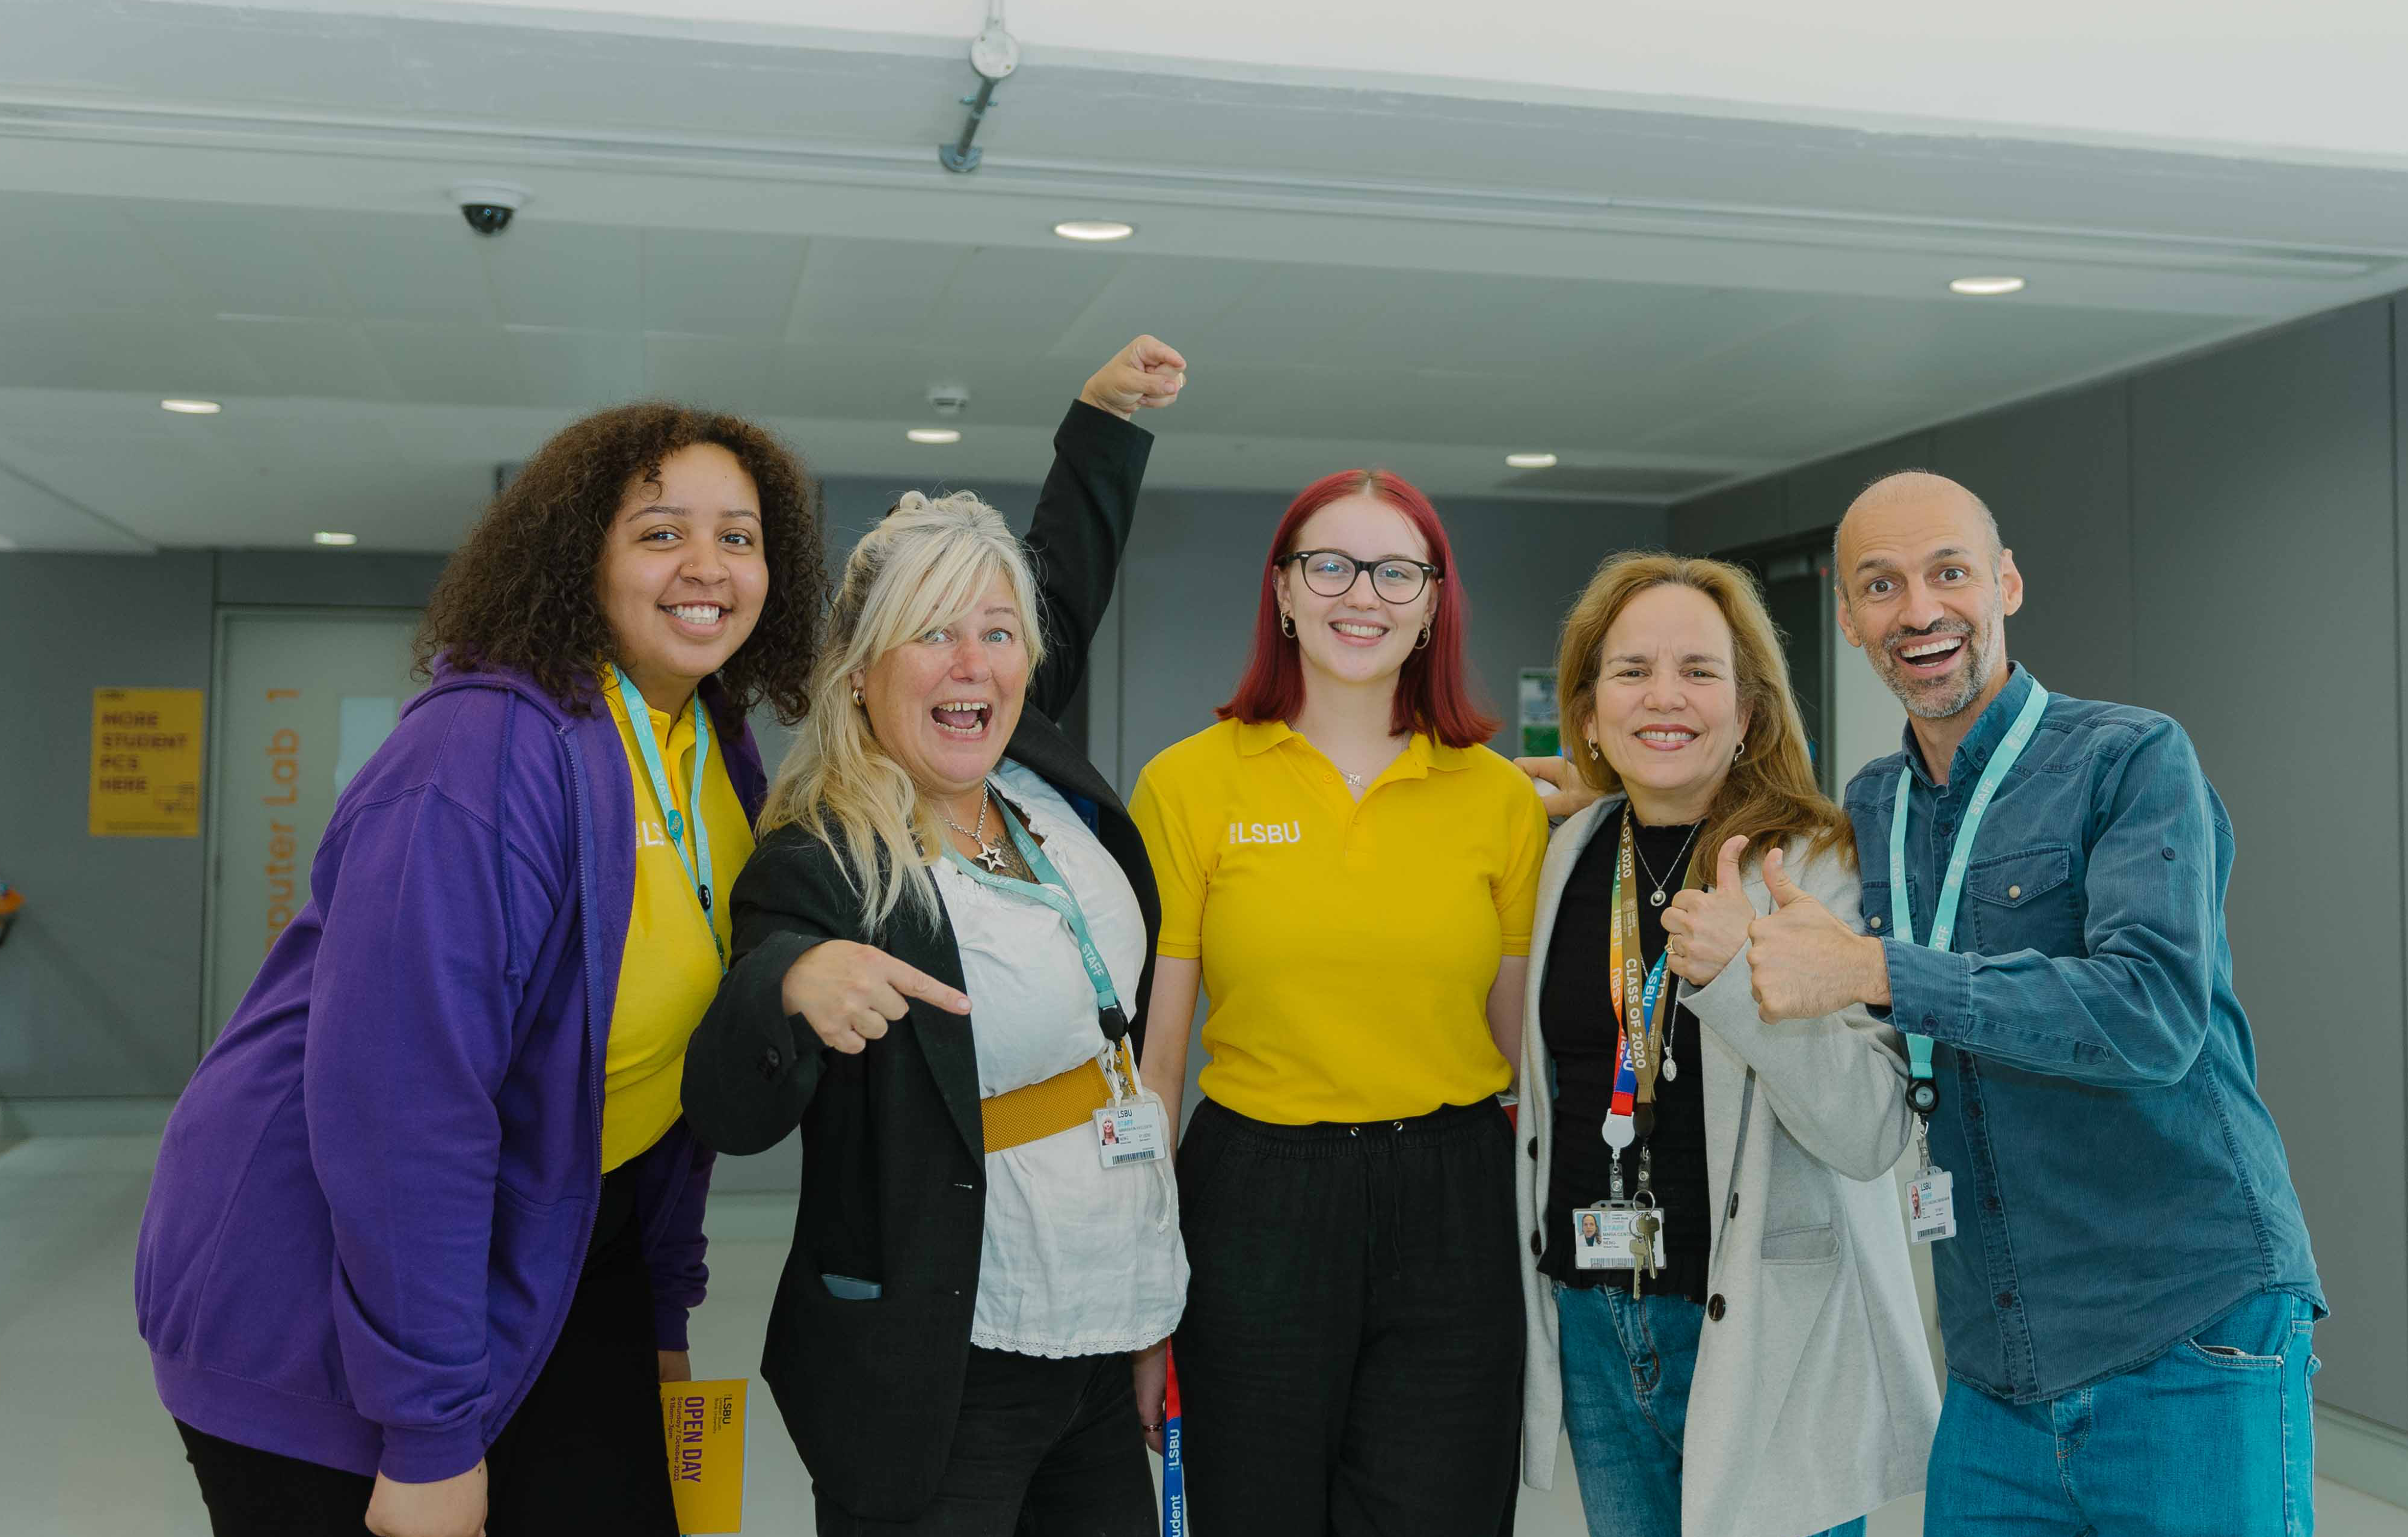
x,y
961,157
994,53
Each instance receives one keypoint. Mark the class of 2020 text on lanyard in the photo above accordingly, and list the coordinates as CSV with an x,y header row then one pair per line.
x,y
1930,1194
698,865
1643,1012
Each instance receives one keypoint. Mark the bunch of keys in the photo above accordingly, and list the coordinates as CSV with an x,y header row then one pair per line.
x,y
1643,1247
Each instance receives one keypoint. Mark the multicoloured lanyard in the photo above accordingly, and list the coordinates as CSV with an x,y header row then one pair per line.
x,y
640,718
1923,1093
1638,1048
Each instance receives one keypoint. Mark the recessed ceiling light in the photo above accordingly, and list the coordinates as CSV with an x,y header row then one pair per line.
x,y
1531,461
935,435
1093,229
192,408
1987,285
324,538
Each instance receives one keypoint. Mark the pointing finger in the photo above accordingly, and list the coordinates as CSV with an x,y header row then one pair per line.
x,y
913,982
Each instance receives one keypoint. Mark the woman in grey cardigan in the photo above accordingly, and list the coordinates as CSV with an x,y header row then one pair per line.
x,y
1720,1308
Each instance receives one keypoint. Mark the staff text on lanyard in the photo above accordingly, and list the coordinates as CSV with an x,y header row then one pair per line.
x,y
1930,1209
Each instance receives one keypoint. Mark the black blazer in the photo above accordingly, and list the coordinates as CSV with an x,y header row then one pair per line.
x,y
894,1154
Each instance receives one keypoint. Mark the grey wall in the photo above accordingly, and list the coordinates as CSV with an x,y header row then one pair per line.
x,y
100,981
2219,538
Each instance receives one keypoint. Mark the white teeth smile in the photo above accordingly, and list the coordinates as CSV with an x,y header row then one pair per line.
x,y
1670,738
1932,648
975,709
697,613
1368,632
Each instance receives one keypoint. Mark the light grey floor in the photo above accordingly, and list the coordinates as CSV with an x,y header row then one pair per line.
x,y
85,1450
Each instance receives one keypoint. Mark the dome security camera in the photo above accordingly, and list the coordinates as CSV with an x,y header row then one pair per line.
x,y
489,206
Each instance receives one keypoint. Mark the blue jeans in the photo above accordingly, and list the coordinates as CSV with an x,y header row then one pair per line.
x,y
1627,1370
2214,1437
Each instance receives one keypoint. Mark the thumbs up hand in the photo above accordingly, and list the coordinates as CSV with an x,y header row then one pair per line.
x,y
1704,929
1804,963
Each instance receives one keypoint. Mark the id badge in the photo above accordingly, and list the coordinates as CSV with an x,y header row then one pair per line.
x,y
1133,1131
1603,1236
1931,1206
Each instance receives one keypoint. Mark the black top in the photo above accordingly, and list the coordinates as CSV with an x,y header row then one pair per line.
x,y
1576,1015
893,1144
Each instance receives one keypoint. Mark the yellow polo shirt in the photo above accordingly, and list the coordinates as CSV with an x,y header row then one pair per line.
x,y
1348,949
670,972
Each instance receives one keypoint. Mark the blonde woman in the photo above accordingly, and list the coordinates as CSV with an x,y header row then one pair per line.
x,y
941,947
1720,1309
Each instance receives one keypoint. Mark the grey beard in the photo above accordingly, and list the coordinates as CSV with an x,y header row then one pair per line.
x,y
1938,707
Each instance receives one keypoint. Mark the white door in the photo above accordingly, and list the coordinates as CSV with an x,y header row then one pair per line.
x,y
304,696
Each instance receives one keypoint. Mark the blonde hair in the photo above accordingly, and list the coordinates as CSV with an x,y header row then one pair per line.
x,y
922,569
1769,795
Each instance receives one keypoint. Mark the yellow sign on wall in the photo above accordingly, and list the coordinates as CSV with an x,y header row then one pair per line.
x,y
705,1424
146,763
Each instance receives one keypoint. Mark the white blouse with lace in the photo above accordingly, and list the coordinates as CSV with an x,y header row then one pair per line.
x,y
1078,1260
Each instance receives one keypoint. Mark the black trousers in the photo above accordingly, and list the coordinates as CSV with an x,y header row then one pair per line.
x,y
1351,1357
584,1452
1043,1448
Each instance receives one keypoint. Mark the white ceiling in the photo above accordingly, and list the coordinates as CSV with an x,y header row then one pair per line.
x,y
247,205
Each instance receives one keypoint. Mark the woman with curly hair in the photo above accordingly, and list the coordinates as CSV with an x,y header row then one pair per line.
x,y
429,1219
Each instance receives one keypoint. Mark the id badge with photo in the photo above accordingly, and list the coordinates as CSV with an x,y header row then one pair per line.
x,y
1603,1236
1931,1206
1133,1131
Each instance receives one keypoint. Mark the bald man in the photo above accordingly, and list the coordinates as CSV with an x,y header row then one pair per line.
x,y
2125,1286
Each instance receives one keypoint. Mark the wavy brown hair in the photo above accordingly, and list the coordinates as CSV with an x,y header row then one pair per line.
x,y
1769,795
523,590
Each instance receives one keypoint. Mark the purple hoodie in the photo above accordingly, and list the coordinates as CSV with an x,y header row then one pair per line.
x,y
374,1199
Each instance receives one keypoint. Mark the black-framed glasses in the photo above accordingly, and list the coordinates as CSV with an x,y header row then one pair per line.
x,y
1331,573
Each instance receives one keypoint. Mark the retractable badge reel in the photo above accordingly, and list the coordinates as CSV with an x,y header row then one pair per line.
x,y
1930,1195
1132,1129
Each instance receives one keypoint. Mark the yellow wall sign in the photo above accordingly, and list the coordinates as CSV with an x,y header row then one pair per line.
x,y
705,1421
146,763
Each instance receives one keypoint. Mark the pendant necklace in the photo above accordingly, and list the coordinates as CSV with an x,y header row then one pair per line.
x,y
1655,898
989,854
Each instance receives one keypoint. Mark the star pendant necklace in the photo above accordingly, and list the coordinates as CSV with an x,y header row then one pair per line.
x,y
989,854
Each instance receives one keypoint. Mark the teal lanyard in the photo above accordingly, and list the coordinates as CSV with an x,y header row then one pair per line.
x,y
1055,892
1952,889
639,716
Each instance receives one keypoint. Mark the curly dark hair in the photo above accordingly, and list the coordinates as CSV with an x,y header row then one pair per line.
x,y
524,592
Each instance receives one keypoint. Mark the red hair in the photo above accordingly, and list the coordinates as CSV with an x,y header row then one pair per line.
x,y
1432,693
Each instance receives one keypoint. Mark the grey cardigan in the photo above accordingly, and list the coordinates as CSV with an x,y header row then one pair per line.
x,y
1814,1401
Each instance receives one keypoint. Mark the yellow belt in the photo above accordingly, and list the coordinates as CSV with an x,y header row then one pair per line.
x,y
1053,1105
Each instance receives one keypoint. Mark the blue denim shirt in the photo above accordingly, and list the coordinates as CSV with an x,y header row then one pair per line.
x,y
2118,1182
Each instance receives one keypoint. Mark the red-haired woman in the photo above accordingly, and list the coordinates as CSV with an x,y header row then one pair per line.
x,y
1351,874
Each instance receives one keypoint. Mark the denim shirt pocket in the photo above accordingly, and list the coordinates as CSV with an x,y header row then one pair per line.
x,y
2023,900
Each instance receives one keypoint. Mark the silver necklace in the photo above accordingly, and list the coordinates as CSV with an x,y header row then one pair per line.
x,y
1354,782
1656,897
989,854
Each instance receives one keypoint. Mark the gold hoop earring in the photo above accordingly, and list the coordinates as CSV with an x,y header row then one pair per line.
x,y
1423,642
1287,626
1740,751
856,696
